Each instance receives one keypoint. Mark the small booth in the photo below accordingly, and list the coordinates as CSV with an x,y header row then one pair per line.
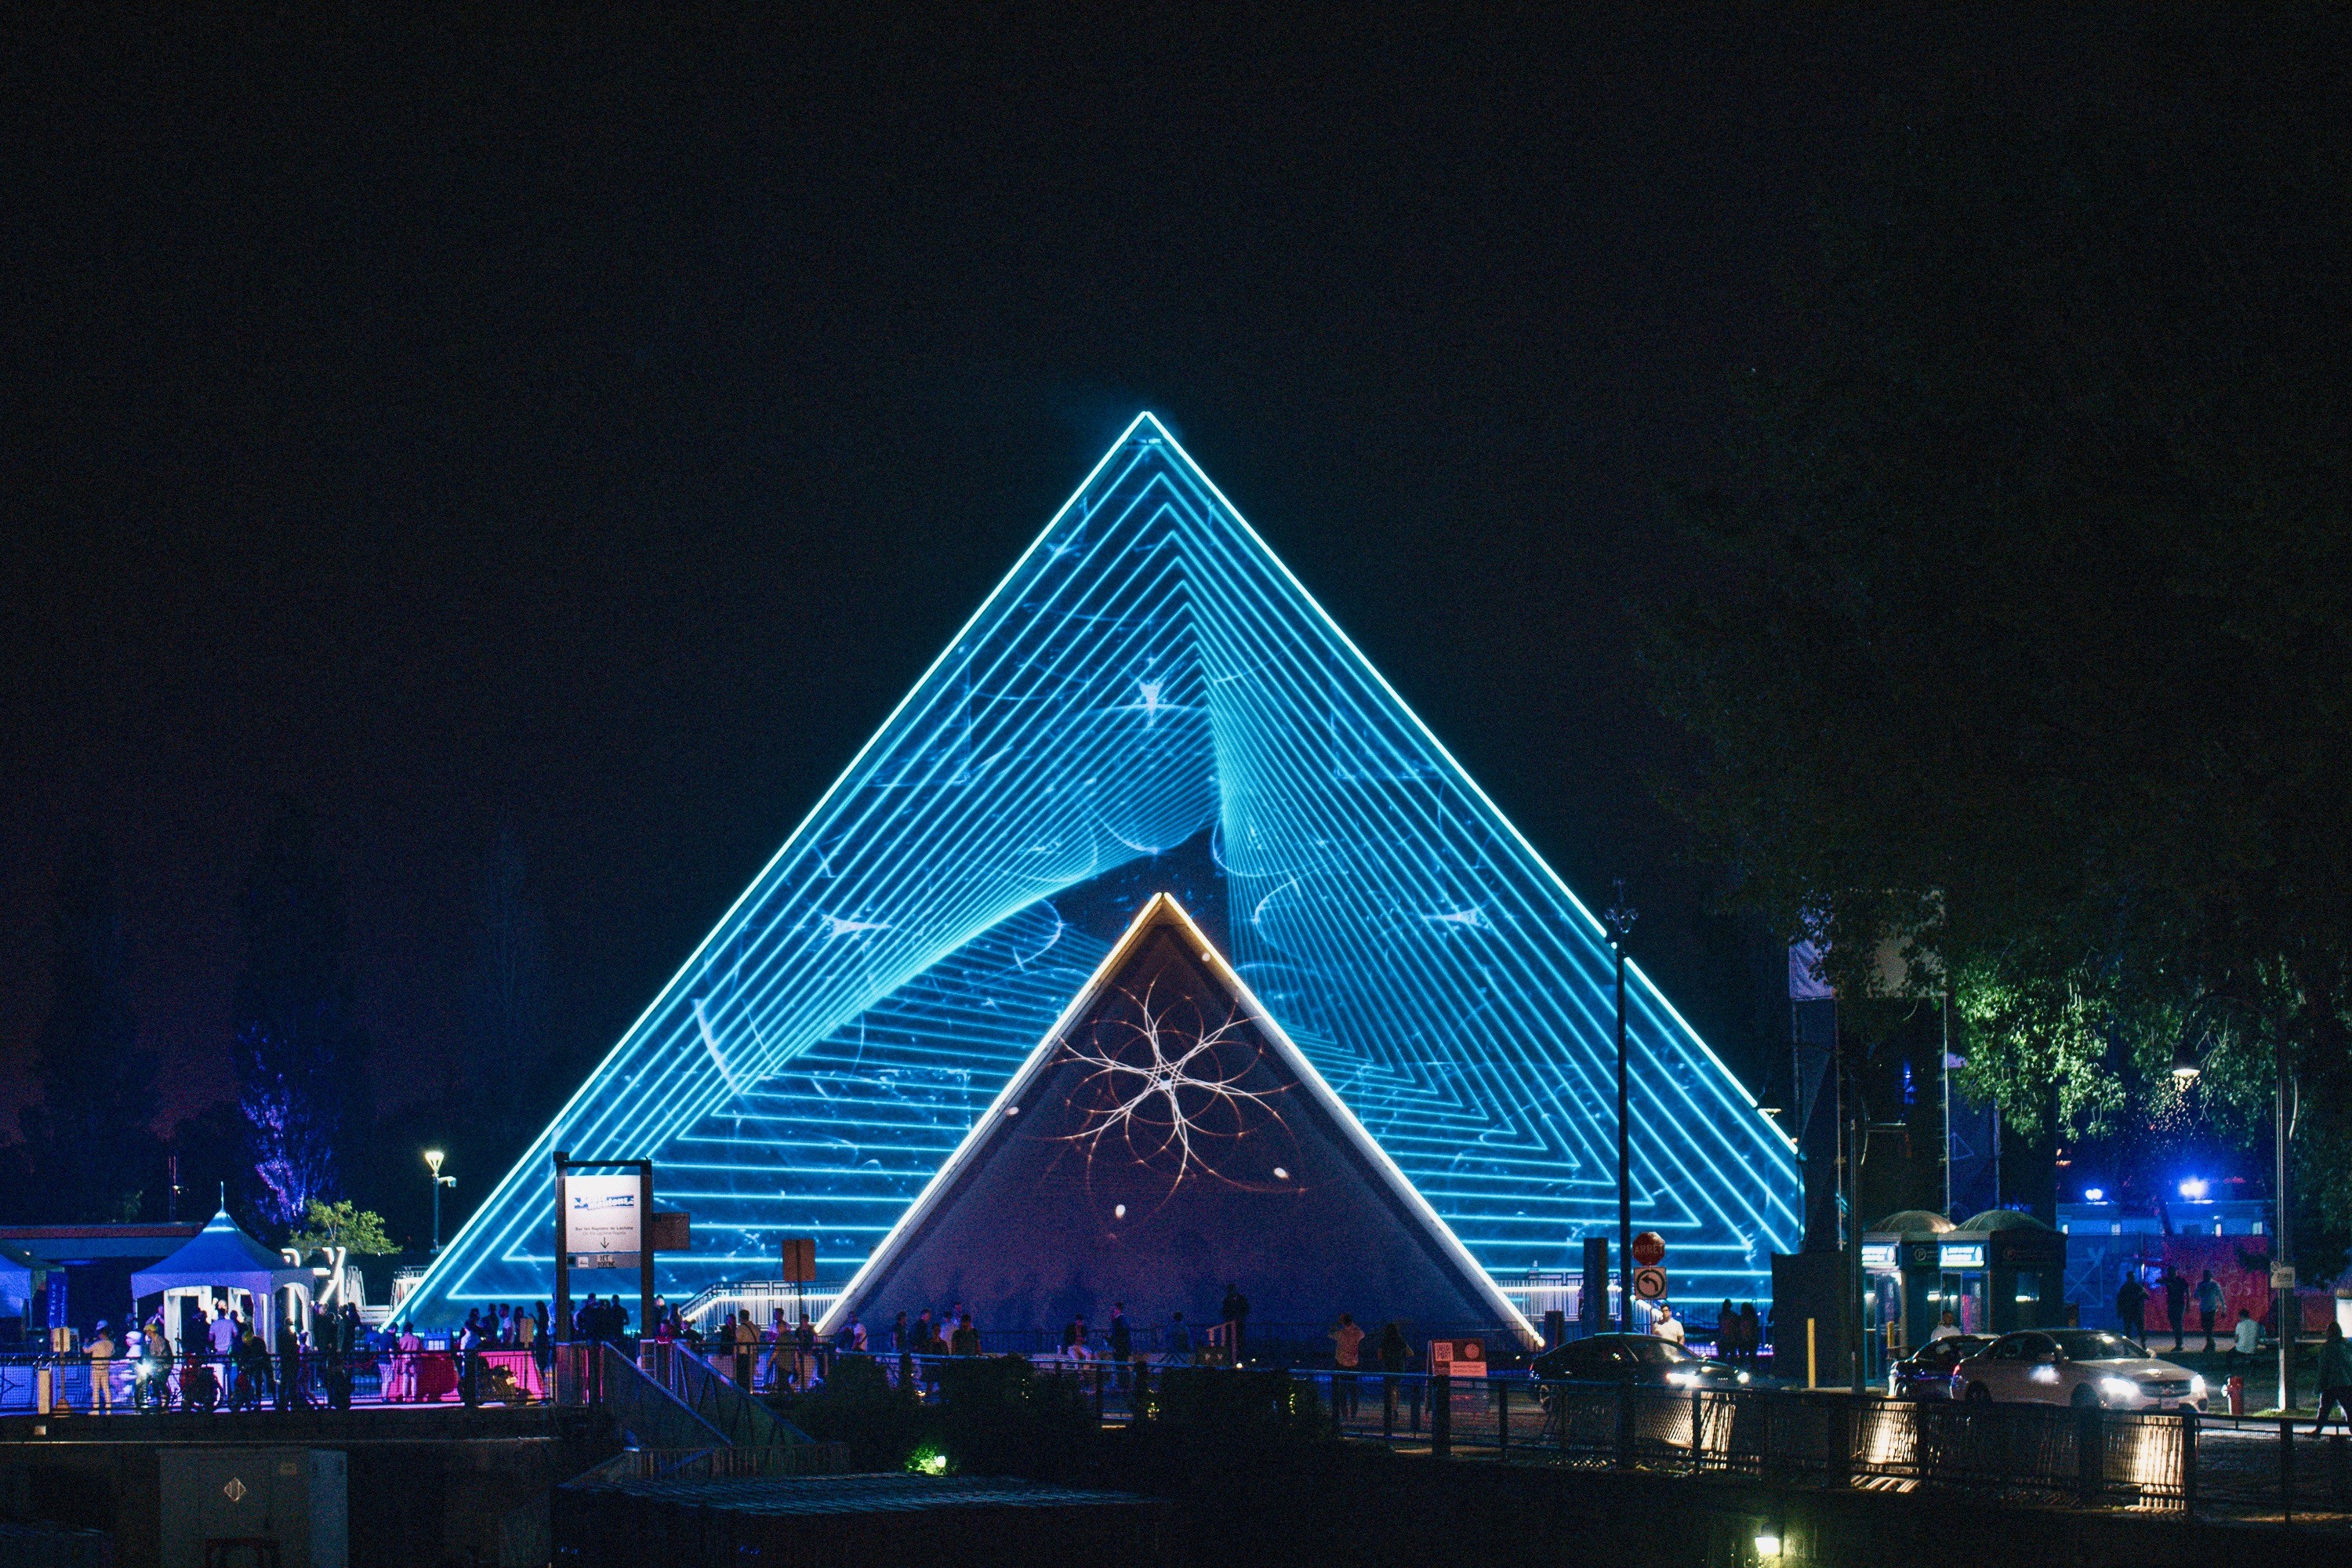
x,y
2002,1271
225,1268
1902,1273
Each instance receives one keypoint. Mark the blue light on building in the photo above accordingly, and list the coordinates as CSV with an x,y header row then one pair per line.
x,y
1149,700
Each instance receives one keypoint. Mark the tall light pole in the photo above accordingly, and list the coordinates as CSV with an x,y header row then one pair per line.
x,y
2187,1062
1620,916
433,1158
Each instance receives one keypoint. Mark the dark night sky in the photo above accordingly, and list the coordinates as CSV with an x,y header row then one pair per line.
x,y
601,431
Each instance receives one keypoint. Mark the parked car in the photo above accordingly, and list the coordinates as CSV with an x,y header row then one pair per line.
x,y
1635,1358
1927,1372
2078,1367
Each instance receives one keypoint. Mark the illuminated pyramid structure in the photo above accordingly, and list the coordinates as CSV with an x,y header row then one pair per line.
x,y
1149,700
1167,1139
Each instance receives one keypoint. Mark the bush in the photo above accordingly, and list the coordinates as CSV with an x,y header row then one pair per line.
x,y
1237,1408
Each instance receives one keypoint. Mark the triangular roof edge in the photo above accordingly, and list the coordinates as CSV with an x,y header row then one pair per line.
x,y
1163,908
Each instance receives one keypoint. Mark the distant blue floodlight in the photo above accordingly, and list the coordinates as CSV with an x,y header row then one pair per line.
x,y
1149,697
2093,1194
2195,1187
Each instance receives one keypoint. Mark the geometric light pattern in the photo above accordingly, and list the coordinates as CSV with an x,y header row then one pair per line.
x,y
1150,681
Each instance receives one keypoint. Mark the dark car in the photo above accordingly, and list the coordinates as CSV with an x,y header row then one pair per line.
x,y
1635,1358
1927,1372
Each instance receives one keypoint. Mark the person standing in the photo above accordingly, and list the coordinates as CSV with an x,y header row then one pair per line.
x,y
1666,1325
2334,1379
746,1346
1347,1353
101,1370
469,1361
2176,1303
2208,1306
2131,1306
1946,1328
967,1338
1122,1344
221,1335
1751,1332
1179,1343
1392,1353
1236,1314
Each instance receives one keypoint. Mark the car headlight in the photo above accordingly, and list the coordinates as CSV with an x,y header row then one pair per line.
x,y
1743,1377
1681,1379
2119,1388
2196,1386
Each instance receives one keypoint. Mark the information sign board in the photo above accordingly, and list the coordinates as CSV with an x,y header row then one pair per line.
x,y
603,1220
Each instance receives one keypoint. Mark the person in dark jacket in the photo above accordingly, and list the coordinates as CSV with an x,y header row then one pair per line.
x,y
2131,1307
1122,1343
2334,1379
1236,1314
2176,1303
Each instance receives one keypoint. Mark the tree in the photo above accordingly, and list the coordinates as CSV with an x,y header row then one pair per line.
x,y
92,1153
328,1225
301,1061
2020,632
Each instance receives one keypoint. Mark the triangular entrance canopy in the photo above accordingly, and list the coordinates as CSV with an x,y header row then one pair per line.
x,y
221,1256
1149,699
1165,1139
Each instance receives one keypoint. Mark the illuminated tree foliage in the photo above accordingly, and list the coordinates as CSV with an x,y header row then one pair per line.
x,y
2021,631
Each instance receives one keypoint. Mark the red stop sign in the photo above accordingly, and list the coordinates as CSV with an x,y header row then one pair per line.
x,y
1649,1248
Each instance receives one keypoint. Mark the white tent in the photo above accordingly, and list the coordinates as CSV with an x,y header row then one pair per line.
x,y
224,1260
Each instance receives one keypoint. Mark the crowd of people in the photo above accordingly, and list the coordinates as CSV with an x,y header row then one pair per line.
x,y
223,1364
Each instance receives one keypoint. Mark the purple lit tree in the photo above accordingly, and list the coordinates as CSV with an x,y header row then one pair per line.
x,y
300,1060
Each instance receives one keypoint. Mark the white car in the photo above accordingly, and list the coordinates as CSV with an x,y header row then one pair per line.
x,y
2078,1367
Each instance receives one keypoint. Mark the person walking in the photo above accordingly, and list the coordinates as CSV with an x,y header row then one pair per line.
x,y
2131,1306
101,1370
2334,1379
2208,1306
1347,1351
1236,1315
2176,1303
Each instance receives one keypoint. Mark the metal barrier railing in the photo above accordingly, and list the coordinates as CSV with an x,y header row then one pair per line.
x,y
2025,1451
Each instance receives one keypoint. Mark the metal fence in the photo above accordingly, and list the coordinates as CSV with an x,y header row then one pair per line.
x,y
2028,1452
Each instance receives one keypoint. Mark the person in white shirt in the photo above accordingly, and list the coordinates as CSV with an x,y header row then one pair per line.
x,y
1666,1325
2246,1339
1945,1329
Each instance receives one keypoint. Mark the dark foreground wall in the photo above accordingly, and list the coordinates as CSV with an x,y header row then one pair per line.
x,y
1363,1506
415,1501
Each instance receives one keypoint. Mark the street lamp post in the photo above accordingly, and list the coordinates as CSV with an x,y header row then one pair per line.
x,y
2187,1062
433,1158
1620,916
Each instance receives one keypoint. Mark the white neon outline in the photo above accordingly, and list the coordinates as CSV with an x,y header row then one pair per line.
x,y
1163,911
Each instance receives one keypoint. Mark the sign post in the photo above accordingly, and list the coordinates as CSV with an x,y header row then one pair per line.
x,y
603,1222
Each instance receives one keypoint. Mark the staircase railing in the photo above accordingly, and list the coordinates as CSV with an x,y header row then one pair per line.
x,y
595,1373
714,1398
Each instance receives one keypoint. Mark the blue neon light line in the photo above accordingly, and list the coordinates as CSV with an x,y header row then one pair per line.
x,y
1146,672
